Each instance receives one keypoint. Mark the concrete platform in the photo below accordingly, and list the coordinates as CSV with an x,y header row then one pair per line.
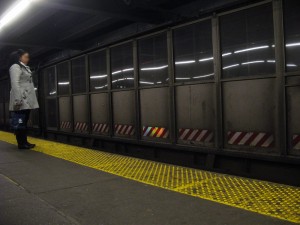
x,y
40,189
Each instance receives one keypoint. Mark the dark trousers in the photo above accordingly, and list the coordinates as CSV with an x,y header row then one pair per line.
x,y
21,135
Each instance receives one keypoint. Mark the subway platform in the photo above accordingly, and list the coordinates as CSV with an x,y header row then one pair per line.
x,y
62,184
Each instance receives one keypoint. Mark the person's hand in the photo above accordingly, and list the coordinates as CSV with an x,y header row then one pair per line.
x,y
18,104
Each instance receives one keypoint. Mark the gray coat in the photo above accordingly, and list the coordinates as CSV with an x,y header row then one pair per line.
x,y
22,89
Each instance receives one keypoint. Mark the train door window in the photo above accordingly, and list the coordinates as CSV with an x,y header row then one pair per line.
x,y
98,71
50,84
292,34
153,60
193,52
79,75
247,42
63,77
122,71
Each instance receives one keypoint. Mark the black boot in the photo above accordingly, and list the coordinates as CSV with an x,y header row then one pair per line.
x,y
21,139
26,141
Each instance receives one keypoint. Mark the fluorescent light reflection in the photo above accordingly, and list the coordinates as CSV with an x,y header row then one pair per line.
x,y
52,93
291,65
226,54
185,62
252,49
227,67
98,76
202,76
124,70
206,59
293,44
251,62
146,82
101,87
154,68
182,78
63,83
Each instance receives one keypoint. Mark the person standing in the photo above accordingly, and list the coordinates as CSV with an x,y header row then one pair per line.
x,y
22,95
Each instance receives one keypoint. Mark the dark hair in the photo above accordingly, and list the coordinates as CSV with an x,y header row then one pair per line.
x,y
14,57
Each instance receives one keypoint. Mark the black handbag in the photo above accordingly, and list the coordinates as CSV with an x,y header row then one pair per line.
x,y
17,121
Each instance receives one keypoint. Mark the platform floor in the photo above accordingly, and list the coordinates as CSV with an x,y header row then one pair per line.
x,y
108,189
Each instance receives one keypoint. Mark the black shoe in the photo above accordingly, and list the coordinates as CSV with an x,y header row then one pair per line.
x,y
30,145
23,146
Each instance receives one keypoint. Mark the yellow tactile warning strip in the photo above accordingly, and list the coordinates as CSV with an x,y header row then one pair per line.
x,y
271,199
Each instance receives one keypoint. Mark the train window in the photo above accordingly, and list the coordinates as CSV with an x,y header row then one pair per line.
x,y
193,52
247,42
79,75
63,77
50,83
292,34
98,71
122,71
51,113
153,60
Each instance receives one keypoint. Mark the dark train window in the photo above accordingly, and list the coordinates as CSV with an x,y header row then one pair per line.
x,y
153,60
51,113
98,71
247,42
292,34
122,71
193,52
63,77
79,75
50,84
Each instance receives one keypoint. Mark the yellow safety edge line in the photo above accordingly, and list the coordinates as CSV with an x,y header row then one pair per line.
x,y
266,198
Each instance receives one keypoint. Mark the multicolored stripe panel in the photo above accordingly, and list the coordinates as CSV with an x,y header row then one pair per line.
x,y
81,126
296,141
125,130
253,139
156,132
100,127
65,125
195,135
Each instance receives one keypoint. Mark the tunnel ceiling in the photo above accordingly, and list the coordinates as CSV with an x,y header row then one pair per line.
x,y
50,27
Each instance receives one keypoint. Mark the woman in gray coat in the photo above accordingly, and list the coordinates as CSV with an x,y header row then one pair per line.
x,y
22,95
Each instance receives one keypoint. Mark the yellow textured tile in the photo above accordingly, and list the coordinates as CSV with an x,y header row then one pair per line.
x,y
271,199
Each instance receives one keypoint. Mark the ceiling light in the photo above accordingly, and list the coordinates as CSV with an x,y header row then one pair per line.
x,y
14,12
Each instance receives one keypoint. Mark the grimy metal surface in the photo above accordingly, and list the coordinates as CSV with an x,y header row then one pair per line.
x,y
120,106
271,199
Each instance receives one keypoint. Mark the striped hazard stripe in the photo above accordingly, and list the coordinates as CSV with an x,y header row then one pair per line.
x,y
100,127
296,141
157,132
254,139
81,126
195,135
122,129
65,125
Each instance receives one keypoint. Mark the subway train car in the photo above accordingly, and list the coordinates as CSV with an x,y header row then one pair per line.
x,y
220,92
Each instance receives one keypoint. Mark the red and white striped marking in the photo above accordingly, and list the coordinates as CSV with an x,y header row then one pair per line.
x,y
65,125
100,127
196,135
81,126
157,132
296,141
255,139
121,129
